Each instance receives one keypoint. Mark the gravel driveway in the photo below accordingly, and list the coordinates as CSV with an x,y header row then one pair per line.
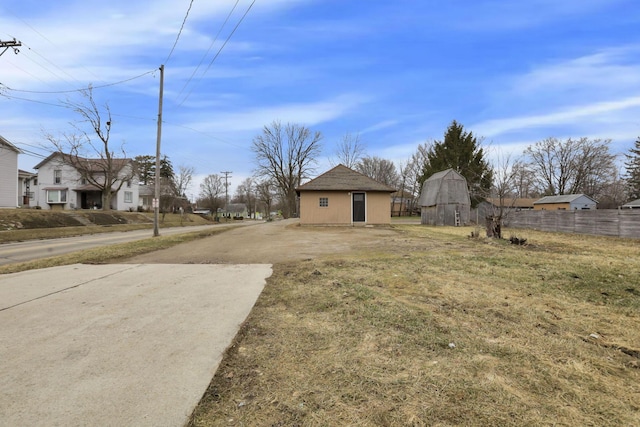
x,y
269,243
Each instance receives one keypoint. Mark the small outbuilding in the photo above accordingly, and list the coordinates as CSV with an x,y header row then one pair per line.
x,y
342,196
634,204
565,202
445,199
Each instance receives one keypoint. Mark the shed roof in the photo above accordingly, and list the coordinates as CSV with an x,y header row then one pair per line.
x,y
511,202
341,178
433,186
564,198
10,146
632,204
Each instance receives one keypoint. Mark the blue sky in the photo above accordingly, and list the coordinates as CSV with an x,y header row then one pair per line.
x,y
397,72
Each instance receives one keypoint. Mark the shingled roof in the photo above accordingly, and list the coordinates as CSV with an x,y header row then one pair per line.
x,y
341,178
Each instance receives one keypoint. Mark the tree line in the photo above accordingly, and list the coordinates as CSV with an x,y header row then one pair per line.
x,y
286,155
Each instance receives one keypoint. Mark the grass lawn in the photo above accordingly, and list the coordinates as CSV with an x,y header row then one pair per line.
x,y
435,328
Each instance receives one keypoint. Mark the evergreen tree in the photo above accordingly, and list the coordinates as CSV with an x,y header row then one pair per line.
x,y
460,151
633,170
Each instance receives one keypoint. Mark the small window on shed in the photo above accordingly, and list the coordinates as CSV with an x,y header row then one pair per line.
x,y
324,202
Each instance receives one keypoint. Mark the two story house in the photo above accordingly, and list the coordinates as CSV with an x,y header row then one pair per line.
x,y
71,182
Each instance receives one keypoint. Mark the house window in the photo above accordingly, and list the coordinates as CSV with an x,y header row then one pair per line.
x,y
83,181
129,183
324,202
128,197
57,176
56,196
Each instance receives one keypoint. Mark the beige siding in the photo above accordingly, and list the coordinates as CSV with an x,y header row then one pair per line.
x,y
339,209
379,208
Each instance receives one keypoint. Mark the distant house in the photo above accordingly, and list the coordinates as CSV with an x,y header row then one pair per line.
x,y
634,204
566,202
61,186
402,203
8,174
445,199
342,196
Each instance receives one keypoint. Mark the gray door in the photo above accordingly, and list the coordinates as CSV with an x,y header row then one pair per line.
x,y
358,207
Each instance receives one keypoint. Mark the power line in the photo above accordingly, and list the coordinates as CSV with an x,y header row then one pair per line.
x,y
78,90
215,39
179,32
221,47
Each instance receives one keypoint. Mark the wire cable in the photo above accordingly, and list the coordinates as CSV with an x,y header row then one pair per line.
x,y
221,47
5,87
179,32
215,39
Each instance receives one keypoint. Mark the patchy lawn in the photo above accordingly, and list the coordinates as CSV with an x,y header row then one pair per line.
x,y
431,327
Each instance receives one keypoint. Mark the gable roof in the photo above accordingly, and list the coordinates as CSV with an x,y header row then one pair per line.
x,y
632,204
91,165
10,146
341,178
564,198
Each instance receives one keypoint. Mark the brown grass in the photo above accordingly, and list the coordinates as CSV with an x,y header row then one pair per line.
x,y
29,224
434,328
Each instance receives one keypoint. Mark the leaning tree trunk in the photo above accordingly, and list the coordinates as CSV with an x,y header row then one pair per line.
x,y
494,227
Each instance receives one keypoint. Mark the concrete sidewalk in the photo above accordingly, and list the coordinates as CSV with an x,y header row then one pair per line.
x,y
117,344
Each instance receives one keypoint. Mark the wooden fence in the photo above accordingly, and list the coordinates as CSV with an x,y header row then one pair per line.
x,y
602,222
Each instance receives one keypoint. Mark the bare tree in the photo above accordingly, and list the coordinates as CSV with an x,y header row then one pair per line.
x,y
245,193
265,190
286,154
503,194
573,166
89,152
349,151
212,190
182,180
382,170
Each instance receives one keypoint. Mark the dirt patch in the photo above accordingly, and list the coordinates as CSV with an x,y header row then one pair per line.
x,y
25,219
270,243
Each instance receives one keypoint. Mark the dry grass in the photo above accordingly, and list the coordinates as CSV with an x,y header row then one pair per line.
x,y
434,328
111,253
29,224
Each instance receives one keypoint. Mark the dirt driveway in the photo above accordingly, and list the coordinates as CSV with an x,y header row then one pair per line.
x,y
269,243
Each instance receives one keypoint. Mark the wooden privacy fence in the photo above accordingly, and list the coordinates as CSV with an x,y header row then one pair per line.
x,y
602,222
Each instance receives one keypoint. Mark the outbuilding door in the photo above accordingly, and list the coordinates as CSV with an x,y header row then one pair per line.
x,y
358,207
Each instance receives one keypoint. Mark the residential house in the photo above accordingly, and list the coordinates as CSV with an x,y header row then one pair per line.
x,y
342,196
445,199
8,174
565,202
402,203
63,186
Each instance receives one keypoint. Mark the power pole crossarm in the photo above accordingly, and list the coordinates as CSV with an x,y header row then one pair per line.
x,y
14,44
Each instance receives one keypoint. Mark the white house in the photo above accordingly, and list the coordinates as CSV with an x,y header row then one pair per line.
x,y
8,174
62,186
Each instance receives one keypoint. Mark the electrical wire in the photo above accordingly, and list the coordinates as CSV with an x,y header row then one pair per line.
x,y
221,47
5,87
215,39
179,32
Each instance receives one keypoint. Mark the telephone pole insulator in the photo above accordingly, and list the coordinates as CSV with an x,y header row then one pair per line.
x,y
13,44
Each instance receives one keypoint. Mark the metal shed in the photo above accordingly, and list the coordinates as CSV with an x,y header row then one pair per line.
x,y
445,199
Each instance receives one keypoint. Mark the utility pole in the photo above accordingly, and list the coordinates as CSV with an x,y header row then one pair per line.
x,y
156,200
227,175
13,44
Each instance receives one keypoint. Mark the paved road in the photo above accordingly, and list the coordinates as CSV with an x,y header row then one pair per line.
x,y
35,249
117,345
